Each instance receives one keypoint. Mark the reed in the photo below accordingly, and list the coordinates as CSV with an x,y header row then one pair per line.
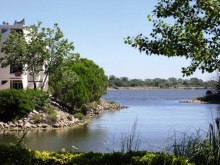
x,y
199,149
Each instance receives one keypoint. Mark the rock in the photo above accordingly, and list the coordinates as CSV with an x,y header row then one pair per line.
x,y
20,121
27,125
35,112
11,124
1,125
56,125
34,126
6,125
44,125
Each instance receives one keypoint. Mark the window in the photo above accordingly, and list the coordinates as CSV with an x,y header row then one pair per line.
x,y
4,82
4,30
16,84
14,69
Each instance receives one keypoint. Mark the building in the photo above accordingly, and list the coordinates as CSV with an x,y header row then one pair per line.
x,y
12,76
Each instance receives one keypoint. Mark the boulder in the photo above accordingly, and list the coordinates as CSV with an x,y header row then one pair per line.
x,y
35,112
56,125
27,125
44,125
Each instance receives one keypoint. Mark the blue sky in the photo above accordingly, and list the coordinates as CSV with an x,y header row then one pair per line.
x,y
98,29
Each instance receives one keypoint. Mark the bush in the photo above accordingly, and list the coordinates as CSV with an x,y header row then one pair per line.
x,y
36,118
39,98
19,155
11,155
52,115
14,104
159,159
78,82
69,117
79,115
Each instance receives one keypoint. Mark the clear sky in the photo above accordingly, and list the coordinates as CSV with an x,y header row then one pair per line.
x,y
98,29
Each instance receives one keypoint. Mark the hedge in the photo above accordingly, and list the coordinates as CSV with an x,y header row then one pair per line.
x,y
19,155
15,104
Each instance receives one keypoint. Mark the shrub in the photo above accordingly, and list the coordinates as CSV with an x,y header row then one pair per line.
x,y
10,155
159,159
19,155
52,115
78,82
69,117
36,118
39,97
79,115
14,104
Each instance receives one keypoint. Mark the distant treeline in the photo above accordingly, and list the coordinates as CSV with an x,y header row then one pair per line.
x,y
161,83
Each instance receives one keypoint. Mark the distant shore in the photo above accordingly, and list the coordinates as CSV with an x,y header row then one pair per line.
x,y
152,88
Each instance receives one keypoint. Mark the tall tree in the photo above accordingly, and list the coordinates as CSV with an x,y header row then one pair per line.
x,y
184,28
34,48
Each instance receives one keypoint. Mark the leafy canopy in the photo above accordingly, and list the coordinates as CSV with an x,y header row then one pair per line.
x,y
78,81
184,28
34,47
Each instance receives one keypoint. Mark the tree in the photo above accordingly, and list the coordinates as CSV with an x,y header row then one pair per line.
x,y
193,32
173,81
78,81
34,48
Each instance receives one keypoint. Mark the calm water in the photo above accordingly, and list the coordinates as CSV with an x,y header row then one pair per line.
x,y
157,114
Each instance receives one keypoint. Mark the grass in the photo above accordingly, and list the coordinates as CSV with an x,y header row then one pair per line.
x,y
199,149
51,114
37,118
79,115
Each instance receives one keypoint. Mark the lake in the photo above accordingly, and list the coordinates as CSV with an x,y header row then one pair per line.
x,y
156,115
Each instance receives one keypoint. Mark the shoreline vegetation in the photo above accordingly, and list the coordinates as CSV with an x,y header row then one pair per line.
x,y
154,88
59,118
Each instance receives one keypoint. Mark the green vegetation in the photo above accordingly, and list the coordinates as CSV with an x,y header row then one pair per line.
x,y
160,83
189,29
197,148
44,47
14,154
52,115
78,81
79,115
15,104
37,118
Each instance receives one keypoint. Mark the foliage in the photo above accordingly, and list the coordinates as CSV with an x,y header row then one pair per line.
x,y
52,115
70,117
14,155
19,155
78,81
39,98
184,28
15,104
160,159
200,150
79,115
158,82
34,48
36,118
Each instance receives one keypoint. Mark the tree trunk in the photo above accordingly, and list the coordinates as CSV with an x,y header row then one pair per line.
x,y
44,81
35,85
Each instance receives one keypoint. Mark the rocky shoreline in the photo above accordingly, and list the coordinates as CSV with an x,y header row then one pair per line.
x,y
63,119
